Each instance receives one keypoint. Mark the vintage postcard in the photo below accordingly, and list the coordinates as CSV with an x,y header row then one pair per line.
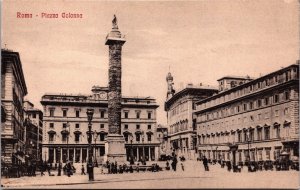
x,y
149,94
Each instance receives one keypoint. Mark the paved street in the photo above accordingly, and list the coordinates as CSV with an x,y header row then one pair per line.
x,y
194,176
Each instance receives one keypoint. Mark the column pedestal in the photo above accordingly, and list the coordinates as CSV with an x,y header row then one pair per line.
x,y
115,149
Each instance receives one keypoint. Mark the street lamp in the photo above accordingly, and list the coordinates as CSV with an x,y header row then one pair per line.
x,y
131,150
90,168
95,139
68,133
233,148
143,138
248,141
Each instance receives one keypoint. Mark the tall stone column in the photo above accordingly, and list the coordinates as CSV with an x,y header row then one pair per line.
x,y
115,142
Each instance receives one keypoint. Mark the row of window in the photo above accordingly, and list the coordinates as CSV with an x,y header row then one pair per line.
x,y
102,113
65,137
180,126
254,155
101,137
279,78
138,137
102,126
251,118
246,135
243,107
178,109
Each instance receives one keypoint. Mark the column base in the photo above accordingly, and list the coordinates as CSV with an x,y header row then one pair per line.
x,y
115,149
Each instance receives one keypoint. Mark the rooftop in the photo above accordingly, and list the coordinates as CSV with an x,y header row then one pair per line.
x,y
236,77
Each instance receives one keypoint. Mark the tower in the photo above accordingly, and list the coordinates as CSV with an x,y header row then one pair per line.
x,y
170,83
115,143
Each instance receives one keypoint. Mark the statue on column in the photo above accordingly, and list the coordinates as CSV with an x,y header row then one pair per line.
x,y
115,23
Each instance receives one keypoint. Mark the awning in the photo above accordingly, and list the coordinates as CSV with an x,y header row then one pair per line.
x,y
126,132
92,132
150,132
64,132
51,132
103,132
20,158
284,153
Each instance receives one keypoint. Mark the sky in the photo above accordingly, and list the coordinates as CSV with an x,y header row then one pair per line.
x,y
197,41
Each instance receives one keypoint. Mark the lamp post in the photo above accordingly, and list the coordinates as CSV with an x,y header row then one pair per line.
x,y
131,150
95,139
233,148
90,168
143,138
68,133
248,141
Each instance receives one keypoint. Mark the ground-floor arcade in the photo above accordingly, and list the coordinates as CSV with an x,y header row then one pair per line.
x,y
56,153
253,151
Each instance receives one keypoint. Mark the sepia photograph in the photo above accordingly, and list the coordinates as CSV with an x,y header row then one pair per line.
x,y
150,94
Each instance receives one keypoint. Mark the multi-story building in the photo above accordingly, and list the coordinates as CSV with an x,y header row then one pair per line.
x,y
258,117
180,120
13,90
66,126
162,136
34,131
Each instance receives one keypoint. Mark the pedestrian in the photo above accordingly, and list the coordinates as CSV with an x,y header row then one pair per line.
x,y
124,168
116,167
112,168
182,166
82,170
68,168
205,163
138,167
167,165
130,169
28,171
157,168
33,168
6,171
49,169
42,168
229,166
108,167
120,169
174,162
59,169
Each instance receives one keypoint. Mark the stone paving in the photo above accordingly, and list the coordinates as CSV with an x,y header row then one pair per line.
x,y
193,176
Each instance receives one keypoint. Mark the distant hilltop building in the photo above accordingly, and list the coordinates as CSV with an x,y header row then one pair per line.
x,y
66,126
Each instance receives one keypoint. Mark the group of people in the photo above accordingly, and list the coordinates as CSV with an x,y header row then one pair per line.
x,y
175,162
114,168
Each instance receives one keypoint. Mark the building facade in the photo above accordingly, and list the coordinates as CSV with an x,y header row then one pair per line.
x,y
162,136
13,90
180,120
260,117
66,126
34,132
